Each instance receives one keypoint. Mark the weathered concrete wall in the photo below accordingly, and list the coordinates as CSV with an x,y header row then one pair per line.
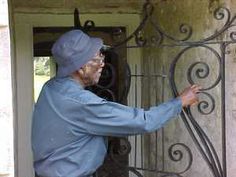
x,y
6,119
198,14
6,116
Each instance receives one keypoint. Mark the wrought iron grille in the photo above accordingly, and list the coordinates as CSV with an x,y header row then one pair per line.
x,y
198,70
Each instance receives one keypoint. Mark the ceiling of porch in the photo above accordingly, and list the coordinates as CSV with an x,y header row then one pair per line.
x,y
88,6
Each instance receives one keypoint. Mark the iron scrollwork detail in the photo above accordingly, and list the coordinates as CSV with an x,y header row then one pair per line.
x,y
176,155
123,148
205,107
220,14
200,70
205,146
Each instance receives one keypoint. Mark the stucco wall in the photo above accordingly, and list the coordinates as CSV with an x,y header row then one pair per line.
x,y
6,116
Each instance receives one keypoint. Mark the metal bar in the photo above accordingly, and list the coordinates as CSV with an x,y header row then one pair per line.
x,y
150,75
156,151
162,129
142,154
210,151
156,99
136,104
224,161
135,151
184,115
77,23
186,44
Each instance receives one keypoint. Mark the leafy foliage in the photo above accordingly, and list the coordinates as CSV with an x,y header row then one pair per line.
x,y
42,66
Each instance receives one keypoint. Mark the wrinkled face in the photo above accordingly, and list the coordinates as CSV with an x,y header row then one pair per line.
x,y
92,70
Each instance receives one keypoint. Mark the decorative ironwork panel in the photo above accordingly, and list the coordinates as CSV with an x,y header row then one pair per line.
x,y
150,153
198,70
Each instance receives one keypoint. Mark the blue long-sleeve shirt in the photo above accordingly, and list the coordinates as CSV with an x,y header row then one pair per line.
x,y
70,125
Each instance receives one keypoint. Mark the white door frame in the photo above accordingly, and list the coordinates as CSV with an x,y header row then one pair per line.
x,y
24,24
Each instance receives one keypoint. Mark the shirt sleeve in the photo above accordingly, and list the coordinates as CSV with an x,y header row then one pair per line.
x,y
112,119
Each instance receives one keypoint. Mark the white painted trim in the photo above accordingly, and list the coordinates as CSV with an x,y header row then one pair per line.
x,y
24,24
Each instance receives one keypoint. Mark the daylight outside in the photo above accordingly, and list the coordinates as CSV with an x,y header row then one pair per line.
x,y
41,74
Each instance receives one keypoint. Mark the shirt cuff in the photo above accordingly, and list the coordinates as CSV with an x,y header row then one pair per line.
x,y
178,104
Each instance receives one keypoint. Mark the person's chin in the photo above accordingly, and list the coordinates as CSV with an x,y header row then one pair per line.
x,y
96,81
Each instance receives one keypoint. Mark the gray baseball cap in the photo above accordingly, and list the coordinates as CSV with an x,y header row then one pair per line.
x,y
73,50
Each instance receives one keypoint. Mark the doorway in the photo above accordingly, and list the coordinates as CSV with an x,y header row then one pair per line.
x,y
24,25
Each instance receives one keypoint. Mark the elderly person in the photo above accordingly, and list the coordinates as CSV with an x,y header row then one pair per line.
x,y
70,124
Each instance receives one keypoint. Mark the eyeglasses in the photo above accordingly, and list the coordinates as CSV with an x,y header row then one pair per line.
x,y
104,49
98,58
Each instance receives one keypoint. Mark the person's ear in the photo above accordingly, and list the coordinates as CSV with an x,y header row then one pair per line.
x,y
80,71
83,70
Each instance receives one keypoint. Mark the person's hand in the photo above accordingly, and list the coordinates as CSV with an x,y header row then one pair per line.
x,y
189,95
